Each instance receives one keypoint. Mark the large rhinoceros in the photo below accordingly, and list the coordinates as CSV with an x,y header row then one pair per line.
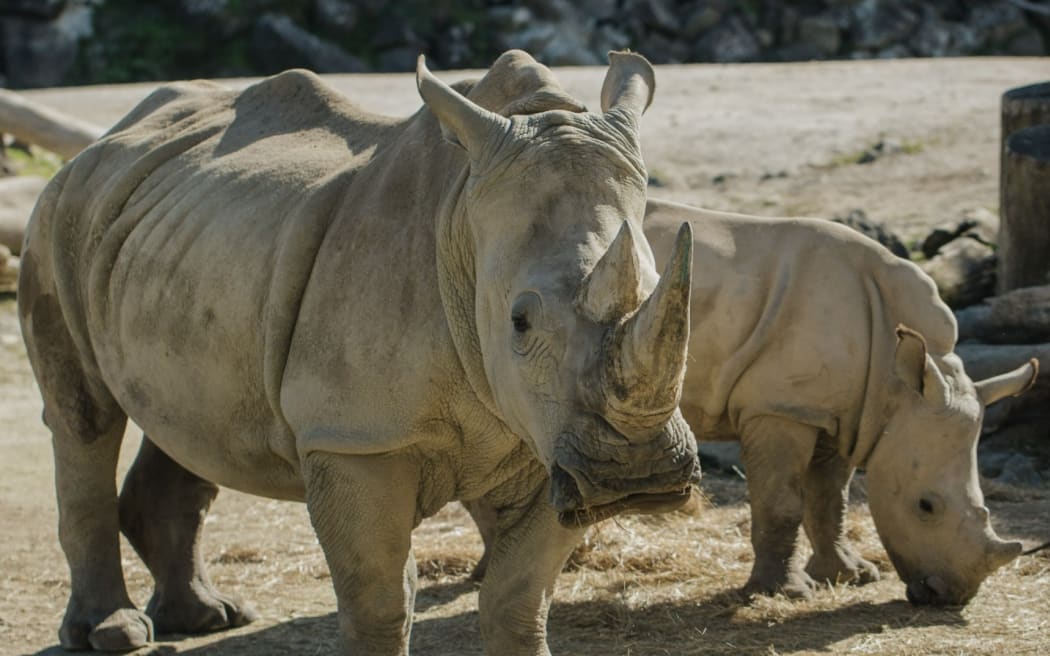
x,y
298,299
821,352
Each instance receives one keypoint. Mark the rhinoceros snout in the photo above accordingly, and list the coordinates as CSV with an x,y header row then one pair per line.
x,y
581,502
932,591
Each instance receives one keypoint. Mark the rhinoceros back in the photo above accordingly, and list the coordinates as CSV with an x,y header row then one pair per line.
x,y
180,244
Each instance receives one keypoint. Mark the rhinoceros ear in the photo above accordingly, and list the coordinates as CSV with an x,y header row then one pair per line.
x,y
910,359
1012,383
914,366
463,122
628,87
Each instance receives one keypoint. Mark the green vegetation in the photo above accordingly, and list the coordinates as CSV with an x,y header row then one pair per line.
x,y
34,161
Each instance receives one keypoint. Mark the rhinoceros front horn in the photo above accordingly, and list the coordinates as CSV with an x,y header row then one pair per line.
x,y
642,381
1001,552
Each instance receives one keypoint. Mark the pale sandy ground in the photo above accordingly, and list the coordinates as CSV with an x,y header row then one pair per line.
x,y
645,586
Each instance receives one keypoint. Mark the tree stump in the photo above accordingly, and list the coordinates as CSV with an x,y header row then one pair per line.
x,y
1024,231
1024,107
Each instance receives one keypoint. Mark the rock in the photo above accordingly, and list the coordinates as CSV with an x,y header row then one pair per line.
x,y
395,34
895,51
879,24
657,15
561,43
976,223
336,16
1027,43
279,44
859,221
722,456
660,49
17,197
797,52
964,271
997,22
40,53
599,9
1019,469
822,32
397,60
503,20
609,37
933,38
731,41
700,20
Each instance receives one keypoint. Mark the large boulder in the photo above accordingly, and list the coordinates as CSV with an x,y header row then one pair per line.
x,y
39,53
279,44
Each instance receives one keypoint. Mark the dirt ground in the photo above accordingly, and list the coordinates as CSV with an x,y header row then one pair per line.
x,y
768,139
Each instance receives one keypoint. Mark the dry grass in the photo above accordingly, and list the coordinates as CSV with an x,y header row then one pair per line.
x,y
638,585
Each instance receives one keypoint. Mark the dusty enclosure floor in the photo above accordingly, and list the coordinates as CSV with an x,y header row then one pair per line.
x,y
769,139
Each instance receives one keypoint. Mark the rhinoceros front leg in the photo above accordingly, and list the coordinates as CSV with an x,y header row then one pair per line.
x,y
826,496
87,427
528,549
162,511
363,509
775,453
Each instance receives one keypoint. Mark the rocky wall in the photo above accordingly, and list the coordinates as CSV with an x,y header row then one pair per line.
x,y
55,42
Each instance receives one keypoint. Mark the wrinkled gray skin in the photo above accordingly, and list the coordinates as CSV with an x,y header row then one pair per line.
x,y
821,352
301,300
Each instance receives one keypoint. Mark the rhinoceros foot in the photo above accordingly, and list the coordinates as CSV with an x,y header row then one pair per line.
x,y
842,566
198,609
122,630
795,584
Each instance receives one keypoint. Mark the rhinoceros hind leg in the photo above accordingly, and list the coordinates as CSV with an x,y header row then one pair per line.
x,y
162,510
826,495
87,427
775,453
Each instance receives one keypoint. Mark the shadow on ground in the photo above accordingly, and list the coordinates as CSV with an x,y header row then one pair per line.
x,y
710,625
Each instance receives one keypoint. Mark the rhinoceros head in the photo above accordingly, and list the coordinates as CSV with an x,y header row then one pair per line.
x,y
923,488
580,345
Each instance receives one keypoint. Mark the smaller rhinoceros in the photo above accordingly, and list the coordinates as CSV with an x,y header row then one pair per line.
x,y
821,353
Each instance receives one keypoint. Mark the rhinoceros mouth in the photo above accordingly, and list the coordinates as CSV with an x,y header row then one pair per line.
x,y
640,504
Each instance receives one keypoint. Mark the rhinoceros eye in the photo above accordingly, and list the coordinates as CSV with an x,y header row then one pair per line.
x,y
930,506
526,309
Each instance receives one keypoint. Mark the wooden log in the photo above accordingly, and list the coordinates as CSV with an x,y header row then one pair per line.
x,y
1024,231
50,129
17,197
1021,316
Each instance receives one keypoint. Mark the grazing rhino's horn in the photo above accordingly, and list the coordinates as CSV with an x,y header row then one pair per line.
x,y
643,381
613,287
1001,552
1012,383
470,124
